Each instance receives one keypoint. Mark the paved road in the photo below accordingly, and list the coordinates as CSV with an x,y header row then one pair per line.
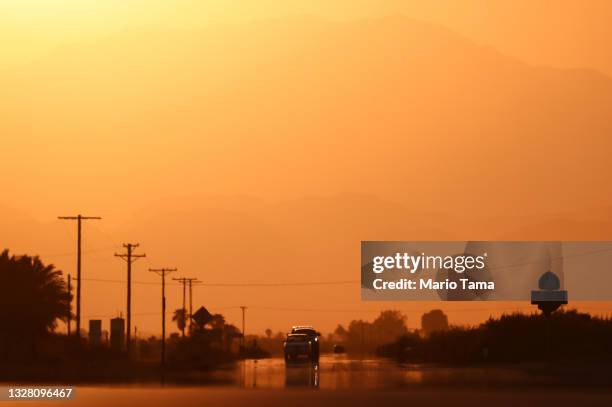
x,y
339,372
336,372
339,381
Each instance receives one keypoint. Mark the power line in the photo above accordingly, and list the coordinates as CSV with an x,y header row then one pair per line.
x,y
281,284
147,314
565,256
129,258
114,315
85,251
340,282
423,309
333,282
79,218
105,280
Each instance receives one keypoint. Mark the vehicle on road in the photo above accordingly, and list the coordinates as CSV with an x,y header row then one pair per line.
x,y
296,346
302,341
312,334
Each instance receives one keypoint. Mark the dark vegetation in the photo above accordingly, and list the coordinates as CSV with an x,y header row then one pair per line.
x,y
34,297
514,338
364,336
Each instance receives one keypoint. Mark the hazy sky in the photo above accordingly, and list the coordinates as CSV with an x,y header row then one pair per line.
x,y
559,33
260,141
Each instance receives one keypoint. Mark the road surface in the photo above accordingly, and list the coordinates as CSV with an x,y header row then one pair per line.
x,y
339,381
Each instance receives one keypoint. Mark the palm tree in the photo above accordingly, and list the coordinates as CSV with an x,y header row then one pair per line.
x,y
33,296
180,317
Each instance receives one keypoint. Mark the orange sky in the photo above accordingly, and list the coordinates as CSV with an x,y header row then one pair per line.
x,y
252,142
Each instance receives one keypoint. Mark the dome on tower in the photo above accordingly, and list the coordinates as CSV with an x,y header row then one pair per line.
x,y
549,281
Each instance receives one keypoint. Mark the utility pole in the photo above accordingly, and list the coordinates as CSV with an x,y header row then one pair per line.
x,y
129,258
70,307
183,281
243,308
162,273
78,218
191,281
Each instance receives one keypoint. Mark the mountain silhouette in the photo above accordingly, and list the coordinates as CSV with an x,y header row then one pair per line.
x,y
385,106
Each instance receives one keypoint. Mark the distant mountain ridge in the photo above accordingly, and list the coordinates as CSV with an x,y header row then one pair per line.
x,y
317,106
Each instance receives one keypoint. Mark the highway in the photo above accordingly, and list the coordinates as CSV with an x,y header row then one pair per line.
x,y
342,381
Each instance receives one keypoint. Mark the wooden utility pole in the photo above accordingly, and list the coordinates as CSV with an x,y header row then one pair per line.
x,y
70,307
129,258
78,218
184,281
162,273
191,281
243,308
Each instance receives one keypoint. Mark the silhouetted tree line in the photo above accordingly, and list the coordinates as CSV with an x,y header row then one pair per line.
x,y
433,321
211,341
33,298
364,336
566,335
